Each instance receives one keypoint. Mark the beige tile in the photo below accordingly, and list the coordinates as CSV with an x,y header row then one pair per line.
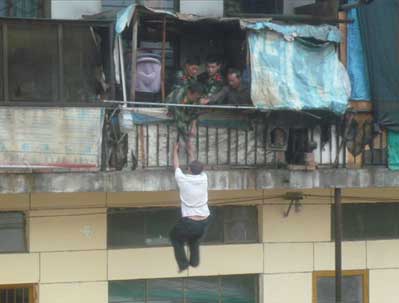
x,y
353,255
383,285
73,266
284,288
67,200
142,263
142,199
312,223
19,268
14,201
229,259
68,232
87,292
383,254
288,257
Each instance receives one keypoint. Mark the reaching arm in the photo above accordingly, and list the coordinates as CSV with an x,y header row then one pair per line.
x,y
176,163
190,151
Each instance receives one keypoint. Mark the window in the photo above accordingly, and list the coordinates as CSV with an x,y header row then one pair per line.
x,y
369,221
24,8
354,286
16,294
224,289
12,232
32,62
232,7
135,227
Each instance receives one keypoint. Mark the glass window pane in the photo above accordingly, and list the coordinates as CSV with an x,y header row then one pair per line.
x,y
32,62
240,224
239,289
202,290
165,290
80,60
214,233
353,222
126,291
381,220
12,232
159,222
352,289
125,228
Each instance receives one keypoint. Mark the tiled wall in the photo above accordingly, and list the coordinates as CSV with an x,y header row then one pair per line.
x,y
69,261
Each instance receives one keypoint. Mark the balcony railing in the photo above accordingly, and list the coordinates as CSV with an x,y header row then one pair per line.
x,y
258,142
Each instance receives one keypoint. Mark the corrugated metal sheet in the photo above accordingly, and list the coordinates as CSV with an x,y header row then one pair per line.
x,y
156,4
59,138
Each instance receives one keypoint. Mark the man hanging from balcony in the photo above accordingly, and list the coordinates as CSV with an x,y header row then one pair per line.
x,y
235,93
212,79
193,190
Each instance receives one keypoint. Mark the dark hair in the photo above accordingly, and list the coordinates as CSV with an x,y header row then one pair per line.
x,y
213,59
196,87
193,61
235,71
196,167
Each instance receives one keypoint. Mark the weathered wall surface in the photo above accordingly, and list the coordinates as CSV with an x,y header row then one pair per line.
x,y
232,179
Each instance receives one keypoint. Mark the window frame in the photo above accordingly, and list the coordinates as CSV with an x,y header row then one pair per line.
x,y
25,234
30,287
5,99
185,282
364,273
146,210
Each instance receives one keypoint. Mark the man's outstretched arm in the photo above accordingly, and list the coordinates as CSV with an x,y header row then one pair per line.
x,y
176,163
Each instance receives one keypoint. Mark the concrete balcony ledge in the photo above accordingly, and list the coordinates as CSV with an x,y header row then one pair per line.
x,y
228,179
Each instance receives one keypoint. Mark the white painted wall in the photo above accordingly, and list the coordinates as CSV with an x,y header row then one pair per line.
x,y
210,8
74,9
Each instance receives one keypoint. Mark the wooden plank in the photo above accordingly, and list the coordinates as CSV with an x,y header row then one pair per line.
x,y
134,57
343,27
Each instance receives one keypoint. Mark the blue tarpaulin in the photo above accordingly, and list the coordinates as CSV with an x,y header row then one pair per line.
x,y
357,66
296,67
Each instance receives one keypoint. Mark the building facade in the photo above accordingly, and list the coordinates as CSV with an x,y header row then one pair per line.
x,y
76,227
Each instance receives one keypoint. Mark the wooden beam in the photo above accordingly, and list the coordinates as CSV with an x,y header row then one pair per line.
x,y
343,46
134,56
163,59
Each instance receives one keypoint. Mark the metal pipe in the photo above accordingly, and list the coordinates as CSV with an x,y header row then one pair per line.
x,y
338,245
159,104
297,18
122,63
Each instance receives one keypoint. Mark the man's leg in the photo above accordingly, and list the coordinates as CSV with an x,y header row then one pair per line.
x,y
177,239
194,246
194,242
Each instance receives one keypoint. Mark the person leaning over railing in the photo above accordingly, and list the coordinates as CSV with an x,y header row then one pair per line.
x,y
235,93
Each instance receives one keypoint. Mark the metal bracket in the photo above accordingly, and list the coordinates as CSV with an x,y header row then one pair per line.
x,y
295,198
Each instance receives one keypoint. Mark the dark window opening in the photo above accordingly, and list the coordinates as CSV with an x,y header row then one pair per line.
x,y
146,227
12,232
16,294
222,289
369,221
25,8
298,141
253,7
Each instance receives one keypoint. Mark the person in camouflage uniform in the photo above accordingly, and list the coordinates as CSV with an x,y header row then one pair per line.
x,y
212,79
186,117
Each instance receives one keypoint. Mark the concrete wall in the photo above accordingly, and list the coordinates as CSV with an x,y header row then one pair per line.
x,y
68,258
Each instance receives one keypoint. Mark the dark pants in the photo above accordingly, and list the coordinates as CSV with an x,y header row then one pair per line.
x,y
187,231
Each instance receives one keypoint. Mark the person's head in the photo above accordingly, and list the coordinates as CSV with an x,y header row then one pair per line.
x,y
194,91
212,65
234,78
195,167
192,66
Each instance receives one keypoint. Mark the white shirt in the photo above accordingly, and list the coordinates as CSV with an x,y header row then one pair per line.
x,y
193,194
